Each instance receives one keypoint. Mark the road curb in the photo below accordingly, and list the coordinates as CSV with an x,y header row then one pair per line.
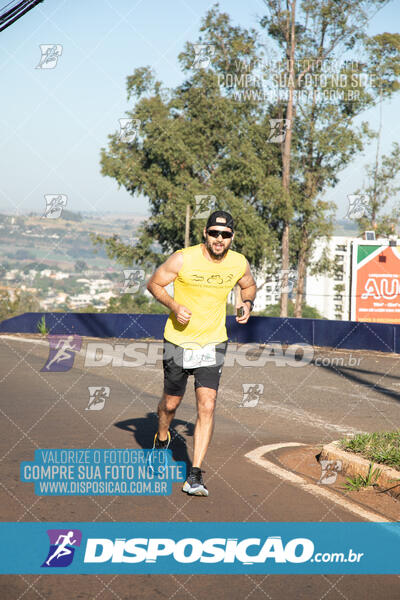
x,y
257,456
354,464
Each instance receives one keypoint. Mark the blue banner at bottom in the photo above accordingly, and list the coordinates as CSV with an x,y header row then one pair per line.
x,y
207,548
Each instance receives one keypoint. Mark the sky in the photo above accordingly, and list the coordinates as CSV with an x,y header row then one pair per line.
x,y
55,121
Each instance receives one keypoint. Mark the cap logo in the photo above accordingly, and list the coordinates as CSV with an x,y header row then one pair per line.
x,y
220,220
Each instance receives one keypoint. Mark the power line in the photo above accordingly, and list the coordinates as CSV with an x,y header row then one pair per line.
x,y
9,14
12,2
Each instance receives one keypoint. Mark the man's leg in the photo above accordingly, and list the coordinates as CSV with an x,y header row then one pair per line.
x,y
206,386
175,379
166,412
206,400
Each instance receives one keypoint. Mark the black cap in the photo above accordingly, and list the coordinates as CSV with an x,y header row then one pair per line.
x,y
220,217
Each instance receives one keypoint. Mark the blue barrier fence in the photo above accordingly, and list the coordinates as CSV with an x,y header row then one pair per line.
x,y
383,337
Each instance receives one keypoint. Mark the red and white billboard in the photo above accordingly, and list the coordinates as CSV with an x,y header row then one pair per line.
x,y
375,295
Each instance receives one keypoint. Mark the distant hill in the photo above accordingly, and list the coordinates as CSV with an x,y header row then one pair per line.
x,y
345,227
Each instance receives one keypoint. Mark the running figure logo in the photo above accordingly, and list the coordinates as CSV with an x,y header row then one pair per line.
x,y
329,471
62,547
291,279
205,203
62,352
203,53
50,55
128,129
54,205
251,394
133,280
98,396
278,130
358,206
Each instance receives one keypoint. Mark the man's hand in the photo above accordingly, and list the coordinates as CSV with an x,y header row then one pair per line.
x,y
248,286
182,314
246,315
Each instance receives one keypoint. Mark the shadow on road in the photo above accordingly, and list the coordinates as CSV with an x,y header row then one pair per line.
x,y
144,429
350,373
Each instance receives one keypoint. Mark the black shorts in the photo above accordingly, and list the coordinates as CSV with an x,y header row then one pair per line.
x,y
175,376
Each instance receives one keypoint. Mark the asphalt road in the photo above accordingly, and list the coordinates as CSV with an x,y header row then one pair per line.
x,y
312,401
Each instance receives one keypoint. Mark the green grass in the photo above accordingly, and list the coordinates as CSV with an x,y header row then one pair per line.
x,y
41,326
382,447
359,481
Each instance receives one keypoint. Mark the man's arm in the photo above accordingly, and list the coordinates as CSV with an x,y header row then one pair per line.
x,y
164,275
248,292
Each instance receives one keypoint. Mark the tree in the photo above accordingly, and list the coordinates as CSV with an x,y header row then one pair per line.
x,y
282,26
380,188
135,303
204,140
319,140
384,52
21,302
274,310
200,141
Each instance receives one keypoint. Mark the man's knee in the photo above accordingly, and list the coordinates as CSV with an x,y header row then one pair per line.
x,y
206,406
170,403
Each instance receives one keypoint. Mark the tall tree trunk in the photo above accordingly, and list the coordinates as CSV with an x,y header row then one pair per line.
x,y
290,50
310,191
374,202
285,269
187,226
301,274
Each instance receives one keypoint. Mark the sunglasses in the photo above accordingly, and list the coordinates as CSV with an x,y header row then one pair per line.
x,y
225,234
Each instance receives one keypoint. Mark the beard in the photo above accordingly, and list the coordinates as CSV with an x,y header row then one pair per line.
x,y
218,256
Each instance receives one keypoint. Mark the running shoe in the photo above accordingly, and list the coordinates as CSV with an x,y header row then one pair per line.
x,y
194,484
157,445
161,445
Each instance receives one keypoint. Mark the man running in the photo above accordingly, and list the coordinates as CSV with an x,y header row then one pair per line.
x,y
195,338
62,549
64,347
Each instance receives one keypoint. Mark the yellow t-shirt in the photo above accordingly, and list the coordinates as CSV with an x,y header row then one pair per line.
x,y
203,287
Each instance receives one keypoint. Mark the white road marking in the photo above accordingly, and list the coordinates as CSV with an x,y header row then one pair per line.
x,y
305,416
20,339
333,390
81,352
257,457
296,414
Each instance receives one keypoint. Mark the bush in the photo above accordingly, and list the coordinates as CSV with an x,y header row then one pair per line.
x,y
382,447
274,310
135,303
22,302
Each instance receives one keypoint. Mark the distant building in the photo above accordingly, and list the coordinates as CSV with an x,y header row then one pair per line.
x,y
11,274
105,296
268,291
79,301
330,294
101,284
53,300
